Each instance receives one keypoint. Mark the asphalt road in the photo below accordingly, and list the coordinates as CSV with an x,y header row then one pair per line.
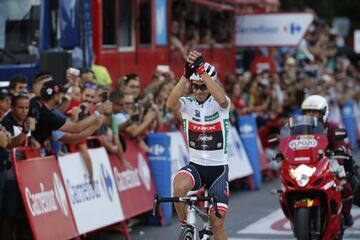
x,y
252,215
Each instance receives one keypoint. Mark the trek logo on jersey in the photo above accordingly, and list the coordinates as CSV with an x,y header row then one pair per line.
x,y
206,137
205,128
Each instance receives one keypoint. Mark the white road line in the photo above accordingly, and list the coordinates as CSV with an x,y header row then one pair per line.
x,y
277,225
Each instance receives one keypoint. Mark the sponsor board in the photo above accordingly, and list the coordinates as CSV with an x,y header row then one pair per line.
x,y
282,29
94,205
134,185
45,199
239,164
357,41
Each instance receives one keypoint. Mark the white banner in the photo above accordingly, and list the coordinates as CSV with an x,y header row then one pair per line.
x,y
357,41
179,154
239,164
93,207
281,29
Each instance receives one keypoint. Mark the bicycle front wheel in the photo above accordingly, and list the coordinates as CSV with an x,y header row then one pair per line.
x,y
187,233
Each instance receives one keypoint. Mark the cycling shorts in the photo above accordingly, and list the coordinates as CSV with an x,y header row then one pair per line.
x,y
213,178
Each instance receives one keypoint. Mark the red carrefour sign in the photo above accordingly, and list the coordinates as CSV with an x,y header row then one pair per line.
x,y
44,197
135,186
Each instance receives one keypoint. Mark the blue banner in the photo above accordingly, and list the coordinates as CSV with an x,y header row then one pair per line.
x,y
161,22
348,117
160,164
248,132
69,24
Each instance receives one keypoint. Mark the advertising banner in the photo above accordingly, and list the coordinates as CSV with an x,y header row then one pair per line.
x,y
239,164
159,156
135,186
161,23
179,154
94,206
45,199
357,41
350,123
248,135
280,29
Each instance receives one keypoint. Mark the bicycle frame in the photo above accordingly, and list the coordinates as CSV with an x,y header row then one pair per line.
x,y
190,231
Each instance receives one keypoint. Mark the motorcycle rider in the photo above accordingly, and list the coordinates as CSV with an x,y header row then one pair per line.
x,y
316,106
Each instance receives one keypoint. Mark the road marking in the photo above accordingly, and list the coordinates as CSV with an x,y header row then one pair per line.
x,y
276,226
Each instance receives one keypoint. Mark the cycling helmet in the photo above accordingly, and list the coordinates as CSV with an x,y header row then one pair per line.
x,y
316,103
210,71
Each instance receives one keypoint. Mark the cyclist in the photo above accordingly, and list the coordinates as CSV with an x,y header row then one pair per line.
x,y
206,124
317,106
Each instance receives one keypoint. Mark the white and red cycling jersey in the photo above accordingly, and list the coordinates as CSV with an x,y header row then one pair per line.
x,y
207,127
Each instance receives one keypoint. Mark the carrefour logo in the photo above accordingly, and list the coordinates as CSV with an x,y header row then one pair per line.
x,y
133,178
60,194
246,128
144,172
157,149
293,28
47,200
106,182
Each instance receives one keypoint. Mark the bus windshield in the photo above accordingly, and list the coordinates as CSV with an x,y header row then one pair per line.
x,y
19,31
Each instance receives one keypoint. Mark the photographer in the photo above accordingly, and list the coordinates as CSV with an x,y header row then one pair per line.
x,y
134,118
17,125
47,120
109,134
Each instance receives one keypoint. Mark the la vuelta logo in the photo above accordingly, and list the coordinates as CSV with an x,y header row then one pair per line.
x,y
47,201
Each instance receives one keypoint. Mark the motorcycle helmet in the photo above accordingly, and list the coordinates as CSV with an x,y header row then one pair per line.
x,y
316,103
210,69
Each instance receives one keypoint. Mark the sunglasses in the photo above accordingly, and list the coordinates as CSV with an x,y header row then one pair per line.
x,y
90,85
201,87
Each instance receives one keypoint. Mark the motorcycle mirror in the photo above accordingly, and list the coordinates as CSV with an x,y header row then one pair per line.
x,y
340,134
273,140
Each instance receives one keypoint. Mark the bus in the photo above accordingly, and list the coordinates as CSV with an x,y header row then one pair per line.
x,y
125,36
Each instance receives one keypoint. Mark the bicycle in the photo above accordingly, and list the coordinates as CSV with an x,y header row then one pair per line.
x,y
189,232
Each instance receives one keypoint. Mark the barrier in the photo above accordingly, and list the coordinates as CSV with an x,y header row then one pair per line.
x,y
248,134
239,164
44,197
350,124
95,206
159,156
178,152
135,186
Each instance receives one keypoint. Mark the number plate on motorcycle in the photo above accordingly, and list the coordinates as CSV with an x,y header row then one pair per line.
x,y
303,142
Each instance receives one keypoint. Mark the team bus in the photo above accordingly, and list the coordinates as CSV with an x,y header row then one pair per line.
x,y
126,36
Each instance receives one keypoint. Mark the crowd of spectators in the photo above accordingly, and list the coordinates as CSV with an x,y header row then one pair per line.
x,y
60,118
195,25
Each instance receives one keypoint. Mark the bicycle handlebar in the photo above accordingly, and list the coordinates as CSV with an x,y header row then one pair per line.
x,y
186,200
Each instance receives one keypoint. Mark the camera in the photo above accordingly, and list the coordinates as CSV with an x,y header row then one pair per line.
x,y
135,117
74,71
82,114
146,104
105,96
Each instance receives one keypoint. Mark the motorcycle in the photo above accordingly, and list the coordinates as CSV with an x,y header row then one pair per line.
x,y
311,192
